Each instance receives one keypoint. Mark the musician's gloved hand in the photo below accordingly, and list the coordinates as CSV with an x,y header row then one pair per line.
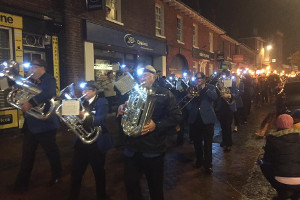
x,y
148,128
121,109
26,106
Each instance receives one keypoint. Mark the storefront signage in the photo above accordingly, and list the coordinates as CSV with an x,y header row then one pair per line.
x,y
238,58
103,67
220,57
19,48
105,35
6,119
56,62
11,20
94,4
201,54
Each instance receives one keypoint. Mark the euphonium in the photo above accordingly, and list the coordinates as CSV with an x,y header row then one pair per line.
x,y
139,110
224,90
23,90
74,122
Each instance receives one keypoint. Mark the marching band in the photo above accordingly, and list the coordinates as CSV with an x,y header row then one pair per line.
x,y
180,104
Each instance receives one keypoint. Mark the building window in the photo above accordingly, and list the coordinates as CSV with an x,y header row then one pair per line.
x,y
159,20
203,67
229,50
211,69
195,67
179,29
5,44
195,35
113,10
211,42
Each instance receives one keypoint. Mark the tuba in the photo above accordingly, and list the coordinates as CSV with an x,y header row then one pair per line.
x,y
23,90
139,110
87,135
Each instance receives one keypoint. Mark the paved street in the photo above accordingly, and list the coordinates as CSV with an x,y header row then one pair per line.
x,y
235,174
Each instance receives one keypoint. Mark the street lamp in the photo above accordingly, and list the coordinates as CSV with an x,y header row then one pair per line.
x,y
269,47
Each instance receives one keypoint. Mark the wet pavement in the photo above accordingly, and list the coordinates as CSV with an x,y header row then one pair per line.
x,y
235,173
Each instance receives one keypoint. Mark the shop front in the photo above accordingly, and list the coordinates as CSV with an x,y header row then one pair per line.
x,y
108,49
24,38
203,61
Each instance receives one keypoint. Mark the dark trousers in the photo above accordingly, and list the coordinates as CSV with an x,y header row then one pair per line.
x,y
200,133
153,168
246,108
284,191
30,143
85,154
180,134
236,116
225,121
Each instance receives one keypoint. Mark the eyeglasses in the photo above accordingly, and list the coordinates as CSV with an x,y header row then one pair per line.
x,y
199,78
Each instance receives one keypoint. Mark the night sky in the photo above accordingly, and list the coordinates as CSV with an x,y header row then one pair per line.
x,y
240,17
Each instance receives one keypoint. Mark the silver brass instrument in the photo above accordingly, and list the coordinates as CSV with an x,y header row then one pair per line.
x,y
24,90
193,91
139,110
224,89
73,121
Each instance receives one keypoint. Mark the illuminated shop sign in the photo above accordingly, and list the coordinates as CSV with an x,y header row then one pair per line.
x,y
100,34
11,20
200,54
103,67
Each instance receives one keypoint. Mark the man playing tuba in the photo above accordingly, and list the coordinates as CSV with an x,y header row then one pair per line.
x,y
145,153
37,131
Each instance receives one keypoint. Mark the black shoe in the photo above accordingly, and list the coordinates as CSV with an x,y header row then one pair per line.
x,y
54,181
208,170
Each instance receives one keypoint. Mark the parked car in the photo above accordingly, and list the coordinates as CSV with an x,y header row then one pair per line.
x,y
288,99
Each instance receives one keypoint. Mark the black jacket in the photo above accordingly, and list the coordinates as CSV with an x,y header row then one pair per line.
x,y
282,150
166,116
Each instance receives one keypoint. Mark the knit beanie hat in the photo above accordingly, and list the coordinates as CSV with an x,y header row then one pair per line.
x,y
284,121
296,116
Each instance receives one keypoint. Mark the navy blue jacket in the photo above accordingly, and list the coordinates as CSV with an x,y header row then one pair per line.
x,y
238,99
47,84
99,108
206,107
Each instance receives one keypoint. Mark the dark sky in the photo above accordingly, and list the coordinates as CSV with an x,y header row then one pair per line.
x,y
240,17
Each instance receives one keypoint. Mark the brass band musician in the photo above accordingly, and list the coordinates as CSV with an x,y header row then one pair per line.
x,y
201,121
144,154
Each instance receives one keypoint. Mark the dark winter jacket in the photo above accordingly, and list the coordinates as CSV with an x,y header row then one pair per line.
x,y
166,115
282,150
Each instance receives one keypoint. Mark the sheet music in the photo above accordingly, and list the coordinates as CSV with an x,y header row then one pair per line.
x,y
3,83
125,83
227,83
70,107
